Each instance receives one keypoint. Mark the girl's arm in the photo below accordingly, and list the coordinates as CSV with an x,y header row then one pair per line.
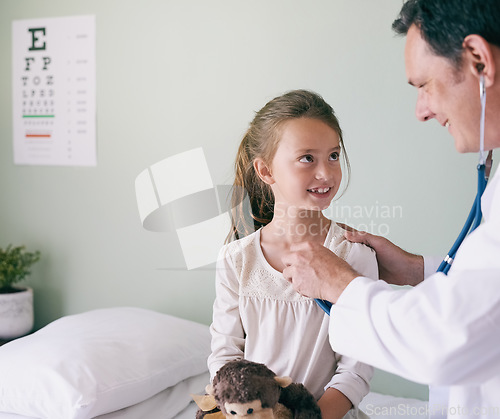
x,y
351,380
228,336
333,404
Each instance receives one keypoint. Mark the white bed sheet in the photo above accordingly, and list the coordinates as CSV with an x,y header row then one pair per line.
x,y
171,403
381,406
166,404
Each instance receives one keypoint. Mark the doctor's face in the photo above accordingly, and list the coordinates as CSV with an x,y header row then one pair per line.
x,y
446,94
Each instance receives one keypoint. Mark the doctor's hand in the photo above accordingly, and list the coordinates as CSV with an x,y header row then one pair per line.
x,y
395,265
317,272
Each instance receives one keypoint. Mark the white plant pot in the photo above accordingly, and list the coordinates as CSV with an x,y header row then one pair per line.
x,y
16,314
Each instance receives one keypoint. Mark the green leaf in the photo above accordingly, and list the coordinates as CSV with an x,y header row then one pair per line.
x,y
15,264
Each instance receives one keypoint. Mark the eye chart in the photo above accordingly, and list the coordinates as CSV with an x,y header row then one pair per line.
x,y
54,91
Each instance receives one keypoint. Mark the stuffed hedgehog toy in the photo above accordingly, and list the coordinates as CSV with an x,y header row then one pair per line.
x,y
245,389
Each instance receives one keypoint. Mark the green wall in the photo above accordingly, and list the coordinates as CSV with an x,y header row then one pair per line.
x,y
173,75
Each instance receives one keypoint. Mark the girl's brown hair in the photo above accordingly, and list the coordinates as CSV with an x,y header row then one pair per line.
x,y
261,140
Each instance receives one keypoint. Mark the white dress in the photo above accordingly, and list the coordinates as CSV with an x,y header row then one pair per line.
x,y
259,316
443,332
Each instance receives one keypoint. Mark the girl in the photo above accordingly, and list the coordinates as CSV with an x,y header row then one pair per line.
x,y
289,165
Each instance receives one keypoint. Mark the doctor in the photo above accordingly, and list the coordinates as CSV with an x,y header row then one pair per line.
x,y
444,331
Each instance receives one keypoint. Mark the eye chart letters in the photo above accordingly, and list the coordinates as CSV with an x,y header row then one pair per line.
x,y
54,91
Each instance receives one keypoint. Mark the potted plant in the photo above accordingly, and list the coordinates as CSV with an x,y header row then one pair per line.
x,y
16,303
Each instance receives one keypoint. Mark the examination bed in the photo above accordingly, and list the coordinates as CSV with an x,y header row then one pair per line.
x,y
125,363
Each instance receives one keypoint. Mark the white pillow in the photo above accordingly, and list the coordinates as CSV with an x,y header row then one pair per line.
x,y
93,363
166,404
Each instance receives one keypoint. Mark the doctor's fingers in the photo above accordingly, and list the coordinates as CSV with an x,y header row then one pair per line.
x,y
363,237
298,254
301,282
347,227
289,273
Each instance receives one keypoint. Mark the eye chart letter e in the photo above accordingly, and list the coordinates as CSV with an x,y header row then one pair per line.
x,y
54,91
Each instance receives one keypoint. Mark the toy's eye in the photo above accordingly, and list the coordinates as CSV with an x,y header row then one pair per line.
x,y
249,411
232,412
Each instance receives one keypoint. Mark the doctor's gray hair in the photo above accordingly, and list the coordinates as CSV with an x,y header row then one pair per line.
x,y
444,24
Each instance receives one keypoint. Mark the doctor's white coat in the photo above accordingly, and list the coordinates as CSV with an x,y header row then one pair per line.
x,y
443,332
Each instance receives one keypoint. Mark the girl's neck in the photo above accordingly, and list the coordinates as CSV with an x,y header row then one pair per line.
x,y
297,225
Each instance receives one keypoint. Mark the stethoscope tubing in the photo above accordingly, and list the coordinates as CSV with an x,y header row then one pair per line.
x,y
472,222
475,215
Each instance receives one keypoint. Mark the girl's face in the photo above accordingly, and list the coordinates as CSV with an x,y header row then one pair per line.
x,y
305,172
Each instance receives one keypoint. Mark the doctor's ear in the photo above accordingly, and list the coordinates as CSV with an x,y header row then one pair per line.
x,y
263,171
480,58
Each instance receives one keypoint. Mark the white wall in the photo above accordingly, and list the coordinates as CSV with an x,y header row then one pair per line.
x,y
173,75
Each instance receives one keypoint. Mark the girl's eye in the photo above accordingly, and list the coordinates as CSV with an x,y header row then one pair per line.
x,y
334,156
306,159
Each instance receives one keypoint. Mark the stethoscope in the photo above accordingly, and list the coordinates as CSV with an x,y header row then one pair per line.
x,y
483,173
475,215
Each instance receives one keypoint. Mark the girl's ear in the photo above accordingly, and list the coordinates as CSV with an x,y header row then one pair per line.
x,y
263,171
480,58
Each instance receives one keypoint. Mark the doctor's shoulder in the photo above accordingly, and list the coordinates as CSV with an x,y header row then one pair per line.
x,y
361,257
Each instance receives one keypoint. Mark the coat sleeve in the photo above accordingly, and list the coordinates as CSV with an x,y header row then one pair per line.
x,y
228,336
431,265
444,331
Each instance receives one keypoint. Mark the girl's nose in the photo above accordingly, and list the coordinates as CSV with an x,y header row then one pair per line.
x,y
321,172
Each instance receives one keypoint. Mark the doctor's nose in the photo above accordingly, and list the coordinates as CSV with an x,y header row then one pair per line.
x,y
422,110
